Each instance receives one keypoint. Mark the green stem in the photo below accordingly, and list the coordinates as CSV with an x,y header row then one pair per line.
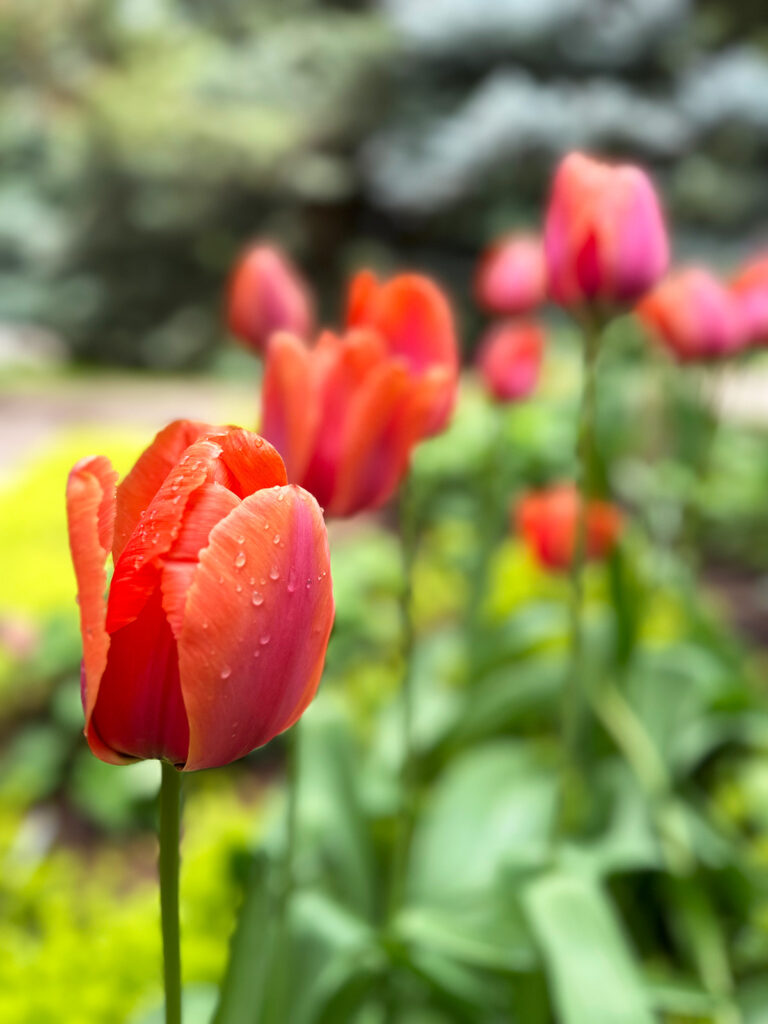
x,y
402,837
170,814
575,703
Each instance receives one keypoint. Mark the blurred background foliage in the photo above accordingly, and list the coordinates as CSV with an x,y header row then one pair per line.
x,y
144,142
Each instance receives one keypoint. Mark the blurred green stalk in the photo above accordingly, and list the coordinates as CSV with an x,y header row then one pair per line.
x,y
573,794
407,524
168,863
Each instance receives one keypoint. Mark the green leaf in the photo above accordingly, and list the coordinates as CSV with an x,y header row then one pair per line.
x,y
494,805
589,963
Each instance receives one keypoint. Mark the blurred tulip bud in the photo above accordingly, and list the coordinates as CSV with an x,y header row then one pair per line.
x,y
267,294
512,276
695,316
750,286
213,635
346,413
509,359
548,523
605,238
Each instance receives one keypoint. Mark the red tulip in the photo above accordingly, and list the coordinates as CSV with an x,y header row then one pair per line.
x,y
213,635
605,239
512,276
509,359
750,286
267,294
346,414
548,523
694,315
413,316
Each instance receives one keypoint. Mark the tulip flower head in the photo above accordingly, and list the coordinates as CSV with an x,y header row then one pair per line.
x,y
548,523
605,238
267,294
750,286
509,359
213,635
695,316
512,276
346,413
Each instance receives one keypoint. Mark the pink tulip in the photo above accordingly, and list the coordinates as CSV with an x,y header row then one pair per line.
x,y
509,359
605,238
267,294
511,277
750,286
694,315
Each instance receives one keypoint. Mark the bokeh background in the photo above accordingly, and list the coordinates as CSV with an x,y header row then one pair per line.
x,y
143,143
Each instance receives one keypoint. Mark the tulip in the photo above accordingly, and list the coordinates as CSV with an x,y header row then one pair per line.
x,y
548,523
605,239
509,359
346,413
512,276
213,635
267,294
694,315
750,286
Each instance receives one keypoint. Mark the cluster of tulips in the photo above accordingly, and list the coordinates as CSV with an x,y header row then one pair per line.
x,y
211,636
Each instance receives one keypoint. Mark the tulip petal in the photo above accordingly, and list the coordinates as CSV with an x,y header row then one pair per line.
x,y
251,658
290,407
139,487
252,462
346,366
139,712
90,515
384,421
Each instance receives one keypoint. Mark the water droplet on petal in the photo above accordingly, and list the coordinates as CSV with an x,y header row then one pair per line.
x,y
257,598
274,573
241,539
277,539
264,639
226,672
240,559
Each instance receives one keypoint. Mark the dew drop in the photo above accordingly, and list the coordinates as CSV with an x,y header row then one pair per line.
x,y
226,672
239,588
257,598
277,539
280,496
241,539
274,573
240,559
264,639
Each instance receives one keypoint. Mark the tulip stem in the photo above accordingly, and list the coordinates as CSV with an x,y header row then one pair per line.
x,y
402,836
170,813
573,794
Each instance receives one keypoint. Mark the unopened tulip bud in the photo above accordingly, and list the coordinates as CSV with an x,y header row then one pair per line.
x,y
509,359
750,286
512,277
267,294
605,238
548,523
695,316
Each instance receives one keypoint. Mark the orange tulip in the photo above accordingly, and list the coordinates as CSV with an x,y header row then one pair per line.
x,y
548,522
509,359
346,414
267,294
605,239
512,276
750,286
213,635
694,315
